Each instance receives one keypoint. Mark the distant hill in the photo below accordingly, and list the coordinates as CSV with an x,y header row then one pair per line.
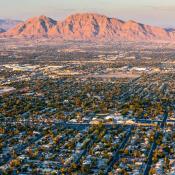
x,y
6,24
2,30
89,26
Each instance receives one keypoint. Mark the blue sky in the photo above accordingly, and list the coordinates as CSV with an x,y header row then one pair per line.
x,y
155,12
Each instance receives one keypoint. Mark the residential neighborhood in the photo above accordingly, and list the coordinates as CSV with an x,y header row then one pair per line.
x,y
87,110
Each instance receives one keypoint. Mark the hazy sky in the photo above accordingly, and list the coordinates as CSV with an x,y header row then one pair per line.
x,y
156,12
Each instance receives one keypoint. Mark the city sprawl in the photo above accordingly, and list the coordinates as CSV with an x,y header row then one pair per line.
x,y
85,108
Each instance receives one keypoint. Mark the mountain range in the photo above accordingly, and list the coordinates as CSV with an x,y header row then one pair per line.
x,y
89,26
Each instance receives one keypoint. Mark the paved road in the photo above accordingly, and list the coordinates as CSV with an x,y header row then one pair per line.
x,y
116,154
154,145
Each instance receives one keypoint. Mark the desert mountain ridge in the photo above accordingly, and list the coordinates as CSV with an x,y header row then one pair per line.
x,y
89,26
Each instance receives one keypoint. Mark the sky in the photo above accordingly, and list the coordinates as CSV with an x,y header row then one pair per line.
x,y
154,12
